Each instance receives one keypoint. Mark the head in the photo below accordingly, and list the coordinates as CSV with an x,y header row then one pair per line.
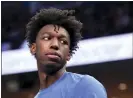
x,y
52,36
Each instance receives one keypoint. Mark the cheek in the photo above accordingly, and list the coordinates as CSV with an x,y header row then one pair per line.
x,y
41,49
65,52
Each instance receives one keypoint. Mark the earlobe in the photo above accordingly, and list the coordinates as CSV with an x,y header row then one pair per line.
x,y
33,49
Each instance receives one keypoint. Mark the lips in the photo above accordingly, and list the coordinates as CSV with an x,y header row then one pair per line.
x,y
53,55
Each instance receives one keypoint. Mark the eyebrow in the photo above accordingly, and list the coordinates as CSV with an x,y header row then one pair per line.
x,y
60,36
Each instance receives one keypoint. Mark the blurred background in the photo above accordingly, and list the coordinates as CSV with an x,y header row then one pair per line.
x,y
105,53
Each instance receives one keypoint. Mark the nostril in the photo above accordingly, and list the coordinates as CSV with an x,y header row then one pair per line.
x,y
55,47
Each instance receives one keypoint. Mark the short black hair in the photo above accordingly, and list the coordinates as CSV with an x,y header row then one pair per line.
x,y
64,18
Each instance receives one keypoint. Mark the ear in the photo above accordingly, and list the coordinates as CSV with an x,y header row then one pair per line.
x,y
68,57
33,49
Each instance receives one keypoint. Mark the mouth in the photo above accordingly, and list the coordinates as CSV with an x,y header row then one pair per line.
x,y
54,56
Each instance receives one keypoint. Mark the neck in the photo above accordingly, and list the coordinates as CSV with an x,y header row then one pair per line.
x,y
46,81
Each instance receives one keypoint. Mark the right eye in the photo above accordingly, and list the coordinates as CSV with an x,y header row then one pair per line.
x,y
46,38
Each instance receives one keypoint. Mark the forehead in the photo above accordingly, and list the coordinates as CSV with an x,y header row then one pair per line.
x,y
54,29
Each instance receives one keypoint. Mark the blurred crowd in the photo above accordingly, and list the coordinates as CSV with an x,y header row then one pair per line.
x,y
99,18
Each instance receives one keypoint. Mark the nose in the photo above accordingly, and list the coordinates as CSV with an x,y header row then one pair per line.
x,y
54,44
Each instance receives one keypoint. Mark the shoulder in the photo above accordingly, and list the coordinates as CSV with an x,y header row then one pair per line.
x,y
73,78
89,86
88,80
75,75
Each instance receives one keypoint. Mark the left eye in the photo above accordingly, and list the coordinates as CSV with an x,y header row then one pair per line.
x,y
64,42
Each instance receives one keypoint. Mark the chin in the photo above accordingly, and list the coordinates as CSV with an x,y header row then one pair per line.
x,y
52,68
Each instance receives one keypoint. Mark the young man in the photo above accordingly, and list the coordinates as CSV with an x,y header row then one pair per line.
x,y
53,35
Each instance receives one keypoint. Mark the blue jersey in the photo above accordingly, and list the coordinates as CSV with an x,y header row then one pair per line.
x,y
72,85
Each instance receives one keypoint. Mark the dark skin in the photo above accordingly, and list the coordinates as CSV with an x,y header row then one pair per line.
x,y
51,39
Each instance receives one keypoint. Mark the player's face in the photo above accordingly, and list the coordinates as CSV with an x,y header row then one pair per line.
x,y
51,48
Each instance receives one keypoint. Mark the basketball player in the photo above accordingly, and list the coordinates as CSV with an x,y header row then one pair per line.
x,y
52,35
